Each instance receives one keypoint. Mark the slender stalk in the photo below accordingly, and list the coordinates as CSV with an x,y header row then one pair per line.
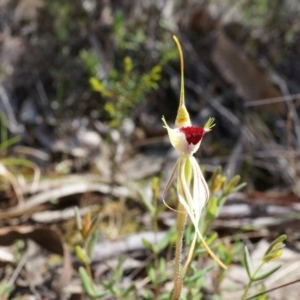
x,y
155,229
180,226
87,266
251,281
184,169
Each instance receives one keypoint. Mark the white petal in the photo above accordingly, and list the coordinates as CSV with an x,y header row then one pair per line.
x,y
188,203
200,188
182,184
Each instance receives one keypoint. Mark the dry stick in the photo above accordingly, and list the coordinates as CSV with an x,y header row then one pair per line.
x,y
18,269
274,289
272,100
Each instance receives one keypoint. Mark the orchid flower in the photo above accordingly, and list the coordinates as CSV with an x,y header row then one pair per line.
x,y
192,189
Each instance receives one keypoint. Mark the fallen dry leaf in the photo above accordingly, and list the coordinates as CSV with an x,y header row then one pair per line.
x,y
47,238
58,192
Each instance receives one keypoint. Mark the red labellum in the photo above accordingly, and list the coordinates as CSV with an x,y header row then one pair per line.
x,y
193,134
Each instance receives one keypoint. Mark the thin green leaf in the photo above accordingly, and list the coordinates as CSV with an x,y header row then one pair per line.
x,y
18,161
215,174
119,270
88,285
163,243
162,266
6,144
5,289
199,251
212,238
266,274
232,184
212,209
92,242
151,273
199,274
147,244
82,256
148,205
248,263
128,291
238,187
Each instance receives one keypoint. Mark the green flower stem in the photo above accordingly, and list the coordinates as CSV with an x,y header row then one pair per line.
x,y
180,226
155,229
251,281
86,265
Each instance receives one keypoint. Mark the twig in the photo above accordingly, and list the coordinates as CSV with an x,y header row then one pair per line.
x,y
272,100
273,289
18,269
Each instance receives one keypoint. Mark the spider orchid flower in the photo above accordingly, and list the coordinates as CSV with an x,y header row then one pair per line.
x,y
192,189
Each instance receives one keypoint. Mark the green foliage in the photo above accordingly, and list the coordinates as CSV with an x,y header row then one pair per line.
x,y
124,90
265,12
89,234
161,245
273,252
5,289
88,285
10,166
220,189
194,279
5,141
87,228
128,85
90,61
113,285
128,39
275,249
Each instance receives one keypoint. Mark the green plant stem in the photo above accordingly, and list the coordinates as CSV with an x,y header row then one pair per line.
x,y
180,226
87,266
251,281
155,229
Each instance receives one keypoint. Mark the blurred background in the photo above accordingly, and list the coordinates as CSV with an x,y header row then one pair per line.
x,y
83,87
